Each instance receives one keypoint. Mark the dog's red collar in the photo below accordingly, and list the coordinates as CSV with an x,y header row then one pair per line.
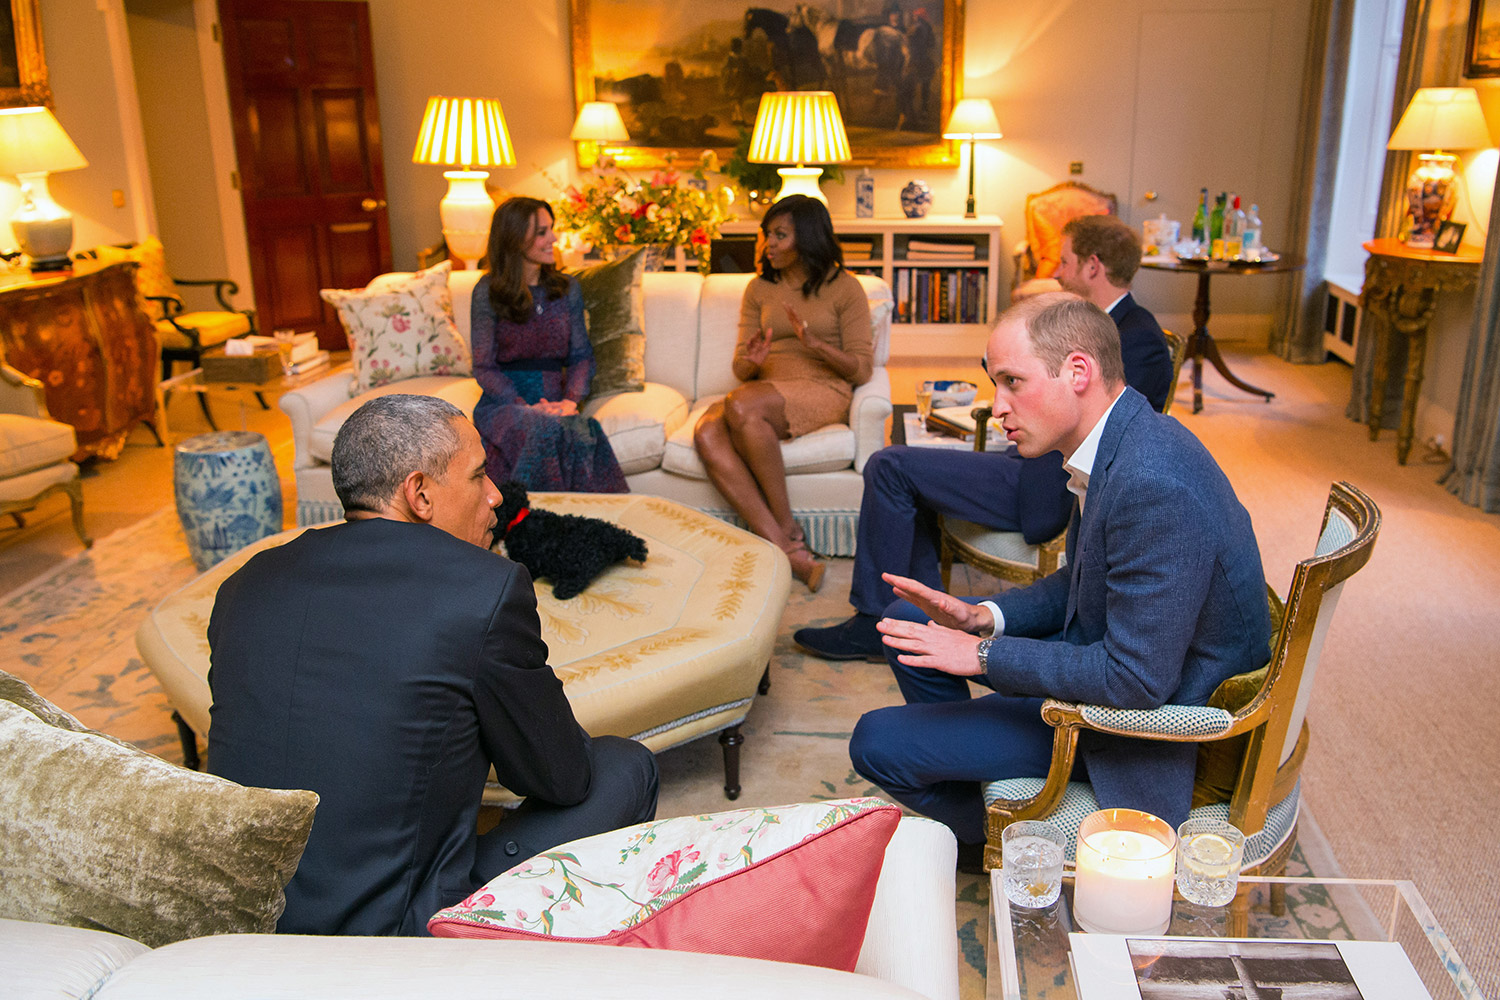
x,y
520,516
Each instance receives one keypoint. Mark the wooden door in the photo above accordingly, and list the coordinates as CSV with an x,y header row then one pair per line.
x,y
307,137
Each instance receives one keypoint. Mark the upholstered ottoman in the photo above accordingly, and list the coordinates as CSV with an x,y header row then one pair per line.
x,y
664,652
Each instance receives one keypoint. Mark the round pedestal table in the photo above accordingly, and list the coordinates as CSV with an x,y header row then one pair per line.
x,y
228,493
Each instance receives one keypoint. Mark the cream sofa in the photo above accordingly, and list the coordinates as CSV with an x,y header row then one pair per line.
x,y
690,324
910,951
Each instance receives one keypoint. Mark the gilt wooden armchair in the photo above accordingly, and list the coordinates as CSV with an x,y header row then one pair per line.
x,y
35,452
1046,214
1252,733
1007,555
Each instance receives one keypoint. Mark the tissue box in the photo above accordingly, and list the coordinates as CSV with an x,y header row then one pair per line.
x,y
261,366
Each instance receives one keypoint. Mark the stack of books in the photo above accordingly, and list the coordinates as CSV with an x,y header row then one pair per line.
x,y
857,249
927,248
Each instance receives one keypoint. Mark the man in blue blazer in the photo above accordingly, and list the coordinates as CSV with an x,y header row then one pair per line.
x,y
387,663
906,488
1162,598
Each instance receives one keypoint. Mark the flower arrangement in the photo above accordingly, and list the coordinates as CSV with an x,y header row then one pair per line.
x,y
611,210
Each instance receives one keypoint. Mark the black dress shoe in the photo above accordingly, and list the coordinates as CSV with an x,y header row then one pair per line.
x,y
855,639
970,859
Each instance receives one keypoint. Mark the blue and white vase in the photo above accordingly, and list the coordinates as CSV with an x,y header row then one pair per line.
x,y
228,493
916,199
864,195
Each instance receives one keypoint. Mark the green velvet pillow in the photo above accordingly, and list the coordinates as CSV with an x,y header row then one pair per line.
x,y
615,304
96,833
1219,760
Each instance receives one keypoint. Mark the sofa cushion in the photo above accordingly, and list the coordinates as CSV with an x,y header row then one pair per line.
x,y
47,962
615,304
826,449
28,443
793,883
462,392
637,424
95,833
402,332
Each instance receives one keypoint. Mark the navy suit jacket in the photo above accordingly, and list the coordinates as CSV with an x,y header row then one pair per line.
x,y
386,666
1043,501
1162,599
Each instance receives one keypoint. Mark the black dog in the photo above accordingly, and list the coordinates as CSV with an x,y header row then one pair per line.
x,y
567,549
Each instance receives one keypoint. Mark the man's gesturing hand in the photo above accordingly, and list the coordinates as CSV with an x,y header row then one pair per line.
x,y
930,645
944,609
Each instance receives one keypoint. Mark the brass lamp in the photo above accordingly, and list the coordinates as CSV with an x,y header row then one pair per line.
x,y
1437,118
797,128
465,132
973,119
33,144
598,122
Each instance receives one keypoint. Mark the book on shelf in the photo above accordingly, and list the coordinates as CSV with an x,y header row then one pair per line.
x,y
942,248
940,295
1120,967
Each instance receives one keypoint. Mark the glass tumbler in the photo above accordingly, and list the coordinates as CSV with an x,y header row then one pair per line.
x,y
1209,853
1032,863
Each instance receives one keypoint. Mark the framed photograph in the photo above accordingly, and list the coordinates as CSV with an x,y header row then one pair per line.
x,y
1484,38
23,69
688,76
1449,236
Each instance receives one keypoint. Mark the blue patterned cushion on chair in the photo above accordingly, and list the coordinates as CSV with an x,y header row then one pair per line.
x,y
1078,801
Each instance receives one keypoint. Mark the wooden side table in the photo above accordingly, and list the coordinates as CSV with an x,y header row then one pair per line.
x,y
1402,285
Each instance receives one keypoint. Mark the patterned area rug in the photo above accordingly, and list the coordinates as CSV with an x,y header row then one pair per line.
x,y
71,634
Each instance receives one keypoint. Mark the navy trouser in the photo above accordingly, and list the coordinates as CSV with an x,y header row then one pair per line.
x,y
906,488
934,753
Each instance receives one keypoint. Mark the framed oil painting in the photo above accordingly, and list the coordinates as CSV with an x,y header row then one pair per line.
x,y
1484,38
688,74
23,70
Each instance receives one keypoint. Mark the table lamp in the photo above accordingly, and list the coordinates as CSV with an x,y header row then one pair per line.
x,y
1437,118
33,144
973,119
598,122
796,128
465,132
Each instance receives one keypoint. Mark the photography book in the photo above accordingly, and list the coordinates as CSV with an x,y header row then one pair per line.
x,y
1120,967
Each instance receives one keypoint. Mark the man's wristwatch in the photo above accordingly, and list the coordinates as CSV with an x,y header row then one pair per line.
x,y
983,649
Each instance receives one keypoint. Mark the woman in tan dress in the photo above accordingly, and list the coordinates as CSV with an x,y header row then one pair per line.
x,y
804,344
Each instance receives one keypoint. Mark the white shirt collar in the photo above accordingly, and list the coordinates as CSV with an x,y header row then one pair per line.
x,y
1111,307
1080,464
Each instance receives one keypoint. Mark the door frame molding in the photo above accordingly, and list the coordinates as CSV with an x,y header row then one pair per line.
x,y
221,143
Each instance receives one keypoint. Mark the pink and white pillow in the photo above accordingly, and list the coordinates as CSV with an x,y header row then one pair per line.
x,y
789,883
402,330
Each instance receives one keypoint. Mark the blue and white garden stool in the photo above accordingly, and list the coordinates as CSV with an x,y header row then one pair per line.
x,y
228,493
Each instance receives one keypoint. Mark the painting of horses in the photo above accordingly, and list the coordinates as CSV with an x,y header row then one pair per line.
x,y
688,74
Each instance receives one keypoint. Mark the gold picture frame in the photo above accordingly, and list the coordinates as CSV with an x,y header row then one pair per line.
x,y
683,84
23,65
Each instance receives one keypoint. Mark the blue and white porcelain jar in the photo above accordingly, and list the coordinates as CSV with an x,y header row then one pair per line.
x,y
228,493
916,199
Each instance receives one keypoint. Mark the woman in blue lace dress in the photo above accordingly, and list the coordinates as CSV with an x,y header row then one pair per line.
x,y
533,360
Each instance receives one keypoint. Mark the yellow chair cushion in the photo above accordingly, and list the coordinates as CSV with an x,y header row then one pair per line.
x,y
213,328
152,277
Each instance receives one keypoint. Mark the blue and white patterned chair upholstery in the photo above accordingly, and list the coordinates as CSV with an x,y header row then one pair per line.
x,y
1266,795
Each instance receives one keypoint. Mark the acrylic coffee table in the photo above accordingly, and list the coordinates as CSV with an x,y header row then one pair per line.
x,y
1027,956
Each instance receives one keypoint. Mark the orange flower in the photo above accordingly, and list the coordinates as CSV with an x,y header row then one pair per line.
x,y
622,233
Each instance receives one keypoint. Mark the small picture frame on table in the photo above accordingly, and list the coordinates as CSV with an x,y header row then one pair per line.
x,y
1449,236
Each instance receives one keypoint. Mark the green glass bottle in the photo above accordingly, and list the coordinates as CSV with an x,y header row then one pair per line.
x,y
1200,218
1216,219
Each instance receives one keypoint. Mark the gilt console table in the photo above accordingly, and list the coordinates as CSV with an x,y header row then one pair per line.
x,y
85,338
1402,286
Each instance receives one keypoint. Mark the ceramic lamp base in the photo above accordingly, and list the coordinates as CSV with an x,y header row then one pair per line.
x,y
42,227
1431,193
801,180
466,211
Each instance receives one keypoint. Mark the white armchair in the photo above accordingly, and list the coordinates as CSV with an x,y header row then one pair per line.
x,y
35,452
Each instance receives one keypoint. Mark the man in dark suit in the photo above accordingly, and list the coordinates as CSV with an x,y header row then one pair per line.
x,y
906,488
1163,596
387,663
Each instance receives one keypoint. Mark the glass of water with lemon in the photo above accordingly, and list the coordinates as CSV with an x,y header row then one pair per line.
x,y
1209,853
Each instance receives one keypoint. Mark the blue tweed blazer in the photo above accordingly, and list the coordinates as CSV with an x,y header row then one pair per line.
x,y
1163,597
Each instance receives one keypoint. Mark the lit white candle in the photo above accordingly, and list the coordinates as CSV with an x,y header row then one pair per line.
x,y
1124,876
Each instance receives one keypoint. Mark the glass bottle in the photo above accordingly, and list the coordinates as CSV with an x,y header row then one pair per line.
x,y
1200,218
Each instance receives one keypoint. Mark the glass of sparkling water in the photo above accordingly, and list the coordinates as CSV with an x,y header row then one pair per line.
x,y
924,401
1209,853
1032,863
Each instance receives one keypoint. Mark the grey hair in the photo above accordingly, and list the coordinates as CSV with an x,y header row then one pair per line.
x,y
386,440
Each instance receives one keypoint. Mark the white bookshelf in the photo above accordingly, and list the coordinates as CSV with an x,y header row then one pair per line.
x,y
893,259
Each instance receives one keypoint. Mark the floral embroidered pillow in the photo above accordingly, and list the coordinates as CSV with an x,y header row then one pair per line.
x,y
403,330
788,883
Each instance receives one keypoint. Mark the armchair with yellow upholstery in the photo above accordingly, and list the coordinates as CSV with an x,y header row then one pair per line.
x,y
184,334
35,452
1007,555
1046,214
1252,733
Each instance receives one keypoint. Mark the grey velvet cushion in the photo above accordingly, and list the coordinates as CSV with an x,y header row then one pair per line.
x,y
95,833
615,304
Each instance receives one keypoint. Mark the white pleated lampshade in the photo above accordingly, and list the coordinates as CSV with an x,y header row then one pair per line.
x,y
799,126
464,132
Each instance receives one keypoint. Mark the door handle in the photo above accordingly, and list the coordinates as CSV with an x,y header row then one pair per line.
x,y
372,204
